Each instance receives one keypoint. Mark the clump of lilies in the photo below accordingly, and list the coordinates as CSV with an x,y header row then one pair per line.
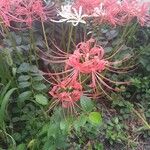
x,y
113,12
86,68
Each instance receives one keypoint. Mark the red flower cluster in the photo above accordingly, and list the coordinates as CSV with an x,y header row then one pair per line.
x,y
116,12
67,92
86,59
23,11
87,5
84,69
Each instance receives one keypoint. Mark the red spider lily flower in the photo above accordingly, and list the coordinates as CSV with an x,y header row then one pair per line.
x,y
135,9
87,60
25,12
67,92
107,12
143,14
88,65
4,11
87,5
116,12
29,11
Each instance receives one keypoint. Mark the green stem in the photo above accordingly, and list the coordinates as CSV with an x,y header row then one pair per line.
x,y
69,40
33,46
45,37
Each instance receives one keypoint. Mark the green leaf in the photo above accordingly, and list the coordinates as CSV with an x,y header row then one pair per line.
x,y
37,78
21,147
99,146
14,71
24,67
53,130
44,129
23,78
4,90
39,86
86,103
95,118
80,122
41,99
24,84
63,125
34,69
25,96
4,104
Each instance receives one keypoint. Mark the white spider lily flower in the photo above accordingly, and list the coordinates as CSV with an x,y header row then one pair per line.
x,y
71,14
99,11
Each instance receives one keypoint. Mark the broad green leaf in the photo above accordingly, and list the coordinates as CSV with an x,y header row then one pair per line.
x,y
39,86
66,123
23,78
63,125
25,96
80,122
41,99
34,69
21,147
24,84
95,118
52,130
24,67
44,129
37,78
86,103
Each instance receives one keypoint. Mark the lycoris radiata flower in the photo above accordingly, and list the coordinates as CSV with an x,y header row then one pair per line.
x,y
88,65
24,12
66,92
87,5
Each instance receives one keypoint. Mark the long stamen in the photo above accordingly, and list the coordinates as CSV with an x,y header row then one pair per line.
x,y
106,85
49,55
54,61
125,68
53,105
59,73
49,81
59,48
103,90
114,53
120,72
115,82
74,109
